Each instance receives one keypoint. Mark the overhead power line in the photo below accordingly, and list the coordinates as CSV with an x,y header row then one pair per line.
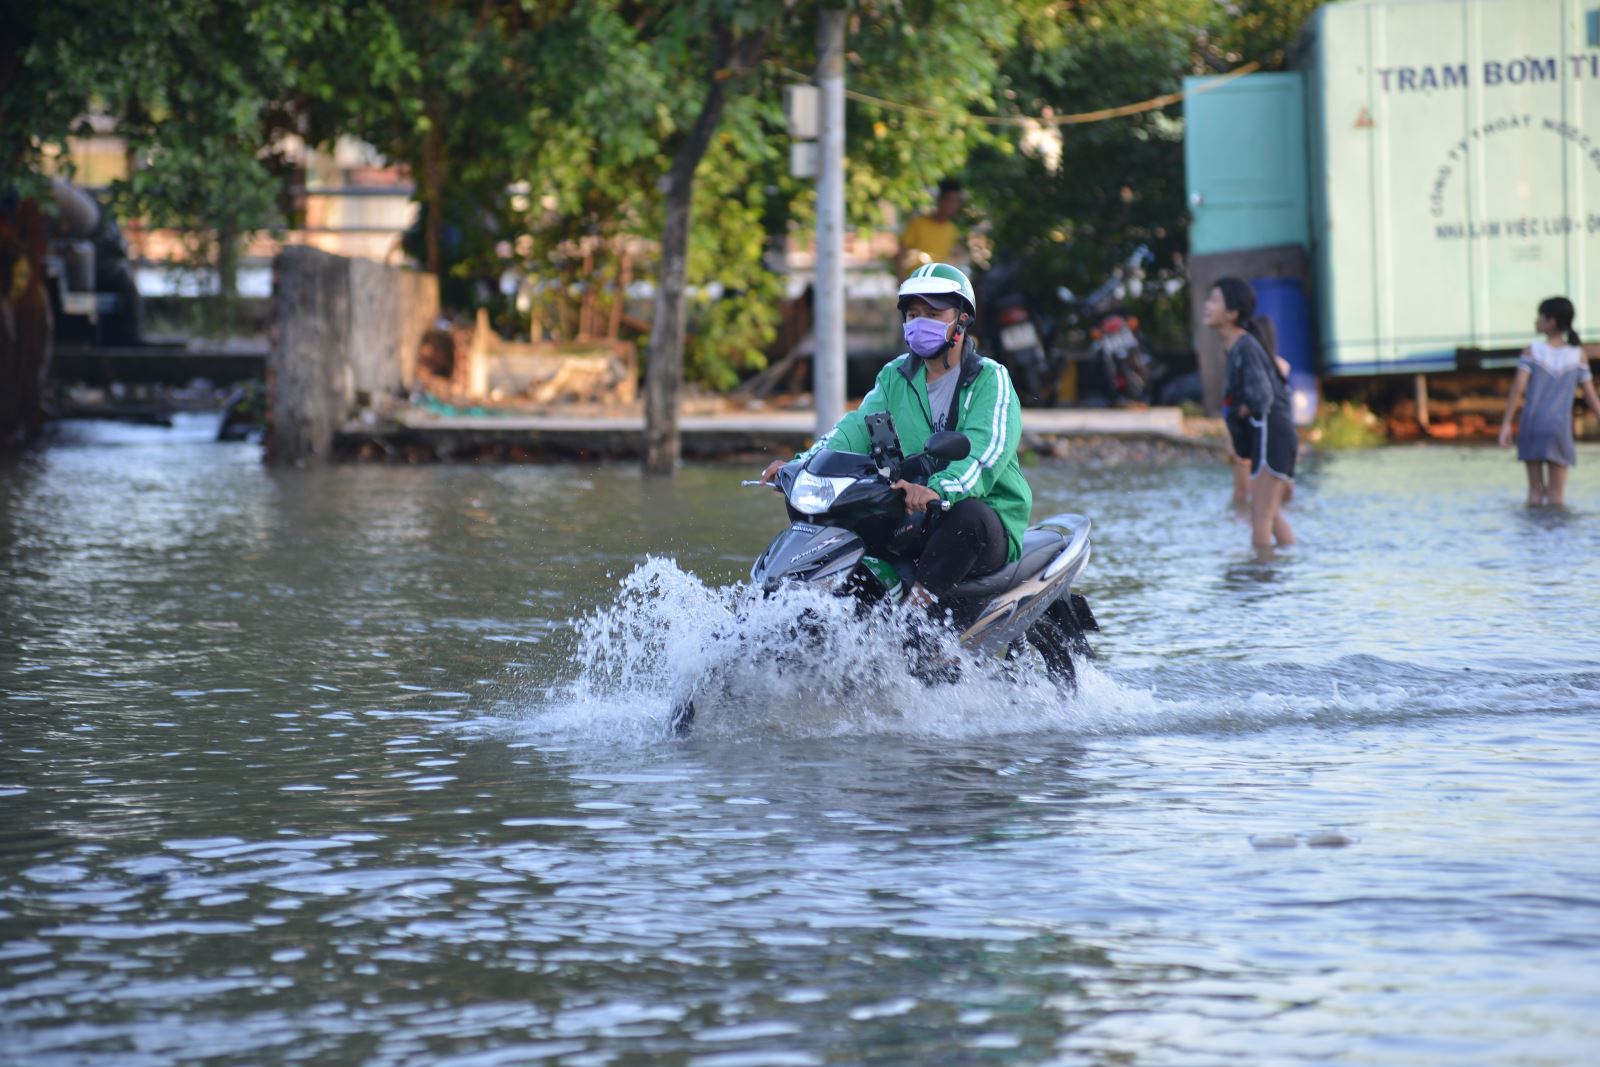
x,y
1079,119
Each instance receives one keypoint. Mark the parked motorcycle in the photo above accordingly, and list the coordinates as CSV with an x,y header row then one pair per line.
x,y
851,536
1019,335
1120,369
1120,358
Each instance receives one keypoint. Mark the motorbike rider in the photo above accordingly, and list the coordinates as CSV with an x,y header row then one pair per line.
x,y
942,383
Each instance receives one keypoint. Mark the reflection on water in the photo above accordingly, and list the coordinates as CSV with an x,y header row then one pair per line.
x,y
1253,579
366,765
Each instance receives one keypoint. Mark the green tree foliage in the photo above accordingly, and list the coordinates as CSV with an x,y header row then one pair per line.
x,y
543,134
460,91
540,136
1119,183
196,88
43,90
599,174
1266,31
935,66
201,106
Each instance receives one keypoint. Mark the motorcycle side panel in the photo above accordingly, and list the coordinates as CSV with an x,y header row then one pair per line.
x,y
1007,616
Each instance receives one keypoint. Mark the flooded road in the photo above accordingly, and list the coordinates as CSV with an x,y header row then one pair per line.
x,y
368,765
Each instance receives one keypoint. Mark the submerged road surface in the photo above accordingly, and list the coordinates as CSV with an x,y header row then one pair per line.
x,y
368,765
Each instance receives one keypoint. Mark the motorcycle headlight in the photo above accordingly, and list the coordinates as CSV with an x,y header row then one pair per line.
x,y
813,494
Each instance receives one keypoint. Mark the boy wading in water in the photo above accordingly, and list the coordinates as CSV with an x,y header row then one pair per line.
x,y
1549,371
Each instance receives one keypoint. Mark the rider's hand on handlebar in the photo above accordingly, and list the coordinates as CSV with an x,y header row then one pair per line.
x,y
918,497
772,471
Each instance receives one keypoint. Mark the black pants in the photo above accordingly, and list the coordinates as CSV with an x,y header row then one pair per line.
x,y
967,541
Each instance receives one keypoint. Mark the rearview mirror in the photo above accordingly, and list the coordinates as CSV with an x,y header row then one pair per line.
x,y
948,445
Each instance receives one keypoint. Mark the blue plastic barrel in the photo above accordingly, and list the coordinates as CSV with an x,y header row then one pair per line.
x,y
1284,299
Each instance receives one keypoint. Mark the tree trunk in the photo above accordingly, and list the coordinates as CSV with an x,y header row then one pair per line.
x,y
432,205
618,295
664,359
228,247
586,304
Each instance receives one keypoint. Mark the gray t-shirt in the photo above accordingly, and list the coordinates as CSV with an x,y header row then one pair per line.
x,y
939,396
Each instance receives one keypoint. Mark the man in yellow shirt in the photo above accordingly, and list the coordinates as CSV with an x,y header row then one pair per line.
x,y
933,238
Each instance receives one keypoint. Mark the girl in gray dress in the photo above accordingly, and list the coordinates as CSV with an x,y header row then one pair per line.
x,y
1549,371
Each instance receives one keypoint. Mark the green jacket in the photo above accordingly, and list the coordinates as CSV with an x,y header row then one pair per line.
x,y
988,412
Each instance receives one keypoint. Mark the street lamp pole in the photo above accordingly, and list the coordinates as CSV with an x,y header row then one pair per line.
x,y
829,360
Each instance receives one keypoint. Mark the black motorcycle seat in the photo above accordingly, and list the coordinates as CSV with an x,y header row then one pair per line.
x,y
1039,547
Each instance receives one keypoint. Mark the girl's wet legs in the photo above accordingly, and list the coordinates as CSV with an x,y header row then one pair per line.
x,y
1281,528
1556,492
1536,490
1241,480
1266,515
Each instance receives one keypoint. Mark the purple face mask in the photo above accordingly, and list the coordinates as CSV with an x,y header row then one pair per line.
x,y
926,336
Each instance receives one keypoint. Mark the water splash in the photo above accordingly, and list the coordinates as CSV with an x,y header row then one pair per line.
x,y
807,664
799,663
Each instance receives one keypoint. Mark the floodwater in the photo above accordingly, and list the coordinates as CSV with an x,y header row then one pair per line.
x,y
318,767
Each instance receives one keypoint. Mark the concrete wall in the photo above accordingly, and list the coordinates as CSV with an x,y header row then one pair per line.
x,y
345,331
387,307
1283,261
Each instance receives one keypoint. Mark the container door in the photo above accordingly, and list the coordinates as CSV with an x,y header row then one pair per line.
x,y
1244,148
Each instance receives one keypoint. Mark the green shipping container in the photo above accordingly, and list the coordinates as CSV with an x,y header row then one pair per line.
x,y
1451,154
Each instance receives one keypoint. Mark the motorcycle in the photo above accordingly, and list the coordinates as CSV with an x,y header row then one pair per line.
x,y
1120,368
1020,336
851,536
1119,357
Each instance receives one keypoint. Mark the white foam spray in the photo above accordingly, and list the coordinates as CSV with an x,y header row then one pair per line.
x,y
802,663
797,663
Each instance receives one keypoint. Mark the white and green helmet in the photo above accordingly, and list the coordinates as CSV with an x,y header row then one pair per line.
x,y
941,285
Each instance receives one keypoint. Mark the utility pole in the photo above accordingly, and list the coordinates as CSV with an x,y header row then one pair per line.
x,y
828,365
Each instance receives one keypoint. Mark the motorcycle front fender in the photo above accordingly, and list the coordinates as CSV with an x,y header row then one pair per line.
x,y
808,552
